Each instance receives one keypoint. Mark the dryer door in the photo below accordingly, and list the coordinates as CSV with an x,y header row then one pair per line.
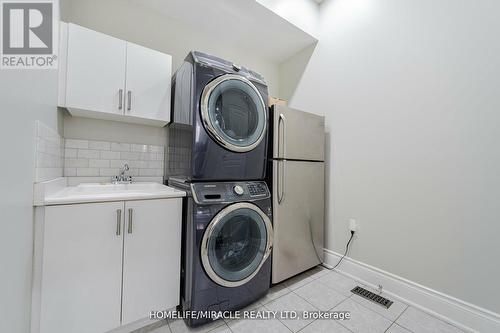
x,y
234,112
236,244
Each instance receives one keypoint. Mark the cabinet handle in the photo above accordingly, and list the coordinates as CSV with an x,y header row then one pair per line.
x,y
130,213
120,99
129,97
118,222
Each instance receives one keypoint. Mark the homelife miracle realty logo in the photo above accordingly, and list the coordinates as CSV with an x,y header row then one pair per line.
x,y
29,34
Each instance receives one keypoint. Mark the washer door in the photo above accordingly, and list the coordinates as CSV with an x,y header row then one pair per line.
x,y
234,112
236,244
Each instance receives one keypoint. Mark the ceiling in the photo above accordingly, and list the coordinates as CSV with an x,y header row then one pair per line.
x,y
246,23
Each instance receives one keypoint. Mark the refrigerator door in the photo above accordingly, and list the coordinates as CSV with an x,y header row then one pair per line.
x,y
298,217
298,135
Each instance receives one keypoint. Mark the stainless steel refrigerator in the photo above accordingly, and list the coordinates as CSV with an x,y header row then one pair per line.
x,y
296,170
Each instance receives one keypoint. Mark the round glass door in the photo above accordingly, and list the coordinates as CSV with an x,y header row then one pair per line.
x,y
236,243
234,112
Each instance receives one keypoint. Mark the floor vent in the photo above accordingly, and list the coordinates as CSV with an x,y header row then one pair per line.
x,y
372,297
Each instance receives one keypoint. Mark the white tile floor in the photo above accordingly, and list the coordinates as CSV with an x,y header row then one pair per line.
x,y
320,289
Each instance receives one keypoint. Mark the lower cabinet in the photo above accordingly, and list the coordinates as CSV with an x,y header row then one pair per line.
x,y
108,264
151,257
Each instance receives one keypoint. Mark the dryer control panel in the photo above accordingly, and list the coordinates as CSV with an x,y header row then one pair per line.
x,y
229,191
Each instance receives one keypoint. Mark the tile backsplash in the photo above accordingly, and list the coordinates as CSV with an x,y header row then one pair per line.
x,y
178,152
96,161
49,160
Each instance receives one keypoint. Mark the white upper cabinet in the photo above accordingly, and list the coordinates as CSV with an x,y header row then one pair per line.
x,y
148,83
109,78
95,77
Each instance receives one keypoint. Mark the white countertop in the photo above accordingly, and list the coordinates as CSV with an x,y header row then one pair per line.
x,y
57,193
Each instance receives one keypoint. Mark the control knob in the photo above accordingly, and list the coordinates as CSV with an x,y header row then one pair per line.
x,y
238,190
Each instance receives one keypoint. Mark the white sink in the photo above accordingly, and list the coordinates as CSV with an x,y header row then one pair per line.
x,y
96,192
97,188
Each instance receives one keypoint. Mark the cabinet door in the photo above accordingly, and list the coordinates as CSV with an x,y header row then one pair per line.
x,y
82,268
95,71
151,259
148,83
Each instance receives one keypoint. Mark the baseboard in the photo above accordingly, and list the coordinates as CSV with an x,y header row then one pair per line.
x,y
457,312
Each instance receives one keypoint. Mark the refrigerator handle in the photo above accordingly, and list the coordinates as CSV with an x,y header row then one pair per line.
x,y
284,176
281,182
281,151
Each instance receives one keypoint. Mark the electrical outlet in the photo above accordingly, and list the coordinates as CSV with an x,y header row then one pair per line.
x,y
353,225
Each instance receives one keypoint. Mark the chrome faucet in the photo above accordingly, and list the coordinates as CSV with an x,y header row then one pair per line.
x,y
121,178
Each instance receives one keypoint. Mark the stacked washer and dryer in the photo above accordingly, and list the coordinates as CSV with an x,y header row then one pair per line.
x,y
217,153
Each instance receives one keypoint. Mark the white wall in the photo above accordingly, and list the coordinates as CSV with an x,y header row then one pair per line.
x,y
25,96
113,131
410,90
302,13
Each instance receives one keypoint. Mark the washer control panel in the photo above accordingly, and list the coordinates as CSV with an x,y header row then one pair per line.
x,y
229,191
257,189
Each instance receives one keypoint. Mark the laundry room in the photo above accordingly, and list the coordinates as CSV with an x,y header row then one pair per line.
x,y
250,166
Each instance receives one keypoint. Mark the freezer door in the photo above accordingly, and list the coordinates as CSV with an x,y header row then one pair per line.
x,y
298,217
298,135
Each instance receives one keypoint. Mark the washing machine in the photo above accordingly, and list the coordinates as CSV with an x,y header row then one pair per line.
x,y
219,121
227,241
